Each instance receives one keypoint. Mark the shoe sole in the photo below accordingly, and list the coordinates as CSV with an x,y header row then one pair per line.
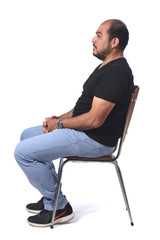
x,y
58,221
33,211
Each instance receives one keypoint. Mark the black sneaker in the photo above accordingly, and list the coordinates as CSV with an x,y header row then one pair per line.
x,y
35,207
43,219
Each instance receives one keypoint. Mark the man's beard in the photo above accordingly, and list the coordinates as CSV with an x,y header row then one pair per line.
x,y
102,55
99,56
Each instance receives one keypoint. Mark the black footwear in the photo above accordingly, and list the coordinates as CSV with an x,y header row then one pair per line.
x,y
43,219
35,207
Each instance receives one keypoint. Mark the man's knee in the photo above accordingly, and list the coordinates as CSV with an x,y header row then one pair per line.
x,y
18,153
24,134
21,154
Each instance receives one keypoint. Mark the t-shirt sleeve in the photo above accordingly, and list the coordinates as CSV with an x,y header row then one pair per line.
x,y
112,85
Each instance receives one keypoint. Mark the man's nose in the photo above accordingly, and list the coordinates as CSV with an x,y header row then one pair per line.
x,y
93,39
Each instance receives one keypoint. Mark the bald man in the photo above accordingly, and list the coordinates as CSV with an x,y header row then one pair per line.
x,y
91,129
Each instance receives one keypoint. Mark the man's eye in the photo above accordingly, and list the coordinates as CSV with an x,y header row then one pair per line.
x,y
99,36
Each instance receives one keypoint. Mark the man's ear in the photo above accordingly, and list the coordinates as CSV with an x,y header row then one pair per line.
x,y
115,42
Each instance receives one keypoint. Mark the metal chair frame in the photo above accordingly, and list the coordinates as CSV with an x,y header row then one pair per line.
x,y
109,159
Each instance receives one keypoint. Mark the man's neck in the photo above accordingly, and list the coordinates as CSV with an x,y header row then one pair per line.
x,y
111,58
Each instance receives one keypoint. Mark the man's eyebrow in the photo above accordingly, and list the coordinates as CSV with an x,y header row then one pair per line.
x,y
98,32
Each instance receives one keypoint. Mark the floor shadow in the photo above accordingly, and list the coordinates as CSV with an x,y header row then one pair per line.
x,y
81,211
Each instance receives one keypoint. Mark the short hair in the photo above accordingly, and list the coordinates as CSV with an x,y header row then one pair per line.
x,y
119,29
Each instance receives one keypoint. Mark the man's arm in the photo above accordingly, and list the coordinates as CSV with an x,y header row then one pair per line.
x,y
93,119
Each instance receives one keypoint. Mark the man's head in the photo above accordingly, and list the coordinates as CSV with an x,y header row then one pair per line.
x,y
111,38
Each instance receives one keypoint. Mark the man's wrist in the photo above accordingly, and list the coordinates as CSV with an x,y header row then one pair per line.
x,y
60,124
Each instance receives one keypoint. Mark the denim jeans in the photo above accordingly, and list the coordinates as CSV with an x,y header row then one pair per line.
x,y
37,150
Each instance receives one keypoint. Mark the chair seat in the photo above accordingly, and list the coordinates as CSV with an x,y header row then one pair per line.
x,y
109,158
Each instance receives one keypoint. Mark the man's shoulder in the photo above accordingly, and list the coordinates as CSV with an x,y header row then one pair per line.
x,y
117,67
119,64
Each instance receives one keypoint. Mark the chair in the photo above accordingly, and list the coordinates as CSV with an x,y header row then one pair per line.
x,y
109,159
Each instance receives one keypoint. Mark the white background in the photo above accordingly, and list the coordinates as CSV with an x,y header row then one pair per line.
x,y
45,57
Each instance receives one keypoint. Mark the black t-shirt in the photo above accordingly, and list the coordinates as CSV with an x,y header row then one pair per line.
x,y
114,83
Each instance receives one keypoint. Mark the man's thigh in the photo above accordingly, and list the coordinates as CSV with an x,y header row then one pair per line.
x,y
49,146
58,143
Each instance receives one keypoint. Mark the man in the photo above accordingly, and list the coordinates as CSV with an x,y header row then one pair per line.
x,y
91,129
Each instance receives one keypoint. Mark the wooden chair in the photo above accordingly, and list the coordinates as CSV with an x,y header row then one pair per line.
x,y
109,159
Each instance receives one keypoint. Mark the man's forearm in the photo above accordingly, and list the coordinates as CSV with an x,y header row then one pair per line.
x,y
93,119
83,122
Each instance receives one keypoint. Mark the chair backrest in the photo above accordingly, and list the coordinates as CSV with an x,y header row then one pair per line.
x,y
128,118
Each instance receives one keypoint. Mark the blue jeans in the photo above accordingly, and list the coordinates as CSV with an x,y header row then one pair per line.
x,y
37,150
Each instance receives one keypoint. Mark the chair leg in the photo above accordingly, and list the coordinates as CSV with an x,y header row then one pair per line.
x,y
61,164
123,190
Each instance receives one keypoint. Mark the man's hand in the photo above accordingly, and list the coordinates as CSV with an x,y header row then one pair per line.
x,y
50,124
